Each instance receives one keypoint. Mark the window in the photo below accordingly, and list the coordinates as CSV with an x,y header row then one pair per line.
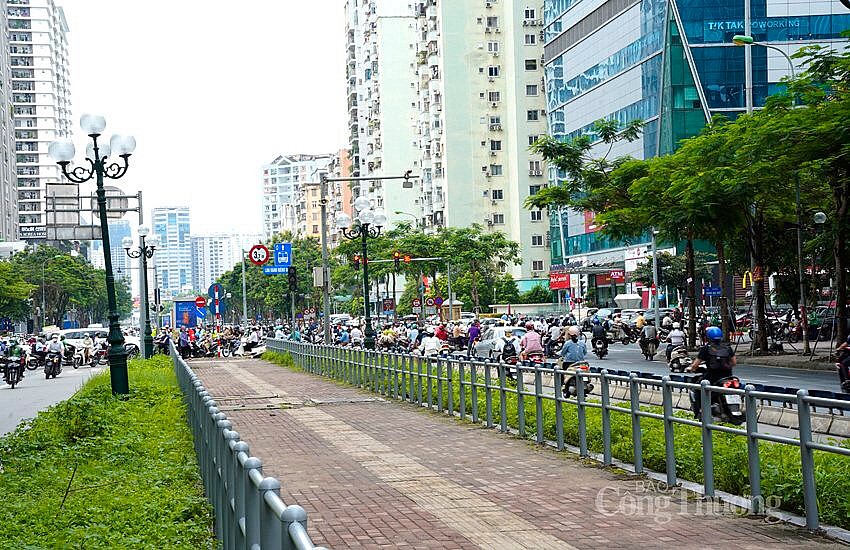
x,y
491,22
532,139
498,219
315,229
496,170
494,97
492,71
529,13
530,39
492,47
495,145
530,64
531,89
533,189
537,240
495,120
536,215
531,116
497,194
537,265
534,165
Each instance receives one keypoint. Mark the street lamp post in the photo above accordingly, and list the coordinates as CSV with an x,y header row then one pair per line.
x,y
99,167
143,252
369,225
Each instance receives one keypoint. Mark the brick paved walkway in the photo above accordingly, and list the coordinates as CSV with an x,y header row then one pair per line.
x,y
377,474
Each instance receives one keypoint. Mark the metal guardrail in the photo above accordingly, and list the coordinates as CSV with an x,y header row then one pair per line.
x,y
249,513
430,381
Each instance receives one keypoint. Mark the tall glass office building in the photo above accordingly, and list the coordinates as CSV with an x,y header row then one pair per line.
x,y
670,63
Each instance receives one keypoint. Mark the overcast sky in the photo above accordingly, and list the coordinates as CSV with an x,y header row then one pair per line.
x,y
212,90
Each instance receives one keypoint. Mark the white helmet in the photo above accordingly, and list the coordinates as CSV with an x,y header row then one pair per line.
x,y
676,325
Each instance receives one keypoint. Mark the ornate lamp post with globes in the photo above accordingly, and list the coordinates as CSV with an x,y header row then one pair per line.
x,y
369,224
143,252
100,167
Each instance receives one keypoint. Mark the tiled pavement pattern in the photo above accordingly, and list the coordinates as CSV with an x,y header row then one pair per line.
x,y
377,474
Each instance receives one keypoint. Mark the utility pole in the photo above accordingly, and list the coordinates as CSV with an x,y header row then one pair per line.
x,y
244,294
654,296
326,274
451,300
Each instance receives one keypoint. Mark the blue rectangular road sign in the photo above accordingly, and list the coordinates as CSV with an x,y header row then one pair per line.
x,y
712,291
200,312
275,270
283,254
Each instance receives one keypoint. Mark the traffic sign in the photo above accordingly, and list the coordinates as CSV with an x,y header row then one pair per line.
x,y
275,270
283,254
215,291
712,291
417,302
258,254
438,301
200,312
200,302
429,302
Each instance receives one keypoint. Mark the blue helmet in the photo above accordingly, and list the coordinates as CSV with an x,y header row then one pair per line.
x,y
595,321
714,334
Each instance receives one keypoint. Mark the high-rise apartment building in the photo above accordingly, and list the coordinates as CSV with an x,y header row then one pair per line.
x,y
340,196
382,103
670,63
38,45
121,263
288,204
481,105
8,178
213,255
174,254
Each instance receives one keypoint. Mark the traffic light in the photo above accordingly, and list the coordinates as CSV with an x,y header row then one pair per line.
x,y
407,258
396,258
293,278
357,261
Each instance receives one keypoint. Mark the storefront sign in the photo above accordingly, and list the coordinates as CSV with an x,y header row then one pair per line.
x,y
559,281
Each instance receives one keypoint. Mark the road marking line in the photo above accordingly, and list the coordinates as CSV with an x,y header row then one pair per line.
x,y
476,518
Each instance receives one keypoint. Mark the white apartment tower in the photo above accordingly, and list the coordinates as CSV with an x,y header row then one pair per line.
x,y
214,255
287,204
381,80
8,178
38,45
173,257
482,104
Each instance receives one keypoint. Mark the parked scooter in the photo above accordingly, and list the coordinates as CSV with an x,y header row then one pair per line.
x,y
679,359
724,407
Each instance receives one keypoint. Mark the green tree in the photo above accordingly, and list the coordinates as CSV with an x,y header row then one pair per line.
x,y
539,294
14,293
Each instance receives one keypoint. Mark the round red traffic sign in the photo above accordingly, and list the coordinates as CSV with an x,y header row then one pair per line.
x,y
417,302
258,254
200,301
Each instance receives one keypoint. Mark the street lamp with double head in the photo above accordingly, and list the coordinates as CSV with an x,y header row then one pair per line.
x,y
143,252
369,224
100,167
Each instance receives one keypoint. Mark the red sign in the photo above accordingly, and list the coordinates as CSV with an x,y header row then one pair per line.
x,y
559,281
258,254
200,301
617,275
417,302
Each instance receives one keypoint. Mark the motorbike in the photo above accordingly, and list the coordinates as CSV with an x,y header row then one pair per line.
x,y
649,348
13,370
161,343
724,407
569,385
599,348
679,359
52,365
621,333
508,362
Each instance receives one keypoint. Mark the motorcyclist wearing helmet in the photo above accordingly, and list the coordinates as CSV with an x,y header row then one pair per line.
x,y
675,339
15,353
88,346
648,333
598,334
531,343
573,350
718,356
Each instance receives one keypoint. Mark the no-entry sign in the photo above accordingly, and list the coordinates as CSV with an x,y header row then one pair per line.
x,y
200,301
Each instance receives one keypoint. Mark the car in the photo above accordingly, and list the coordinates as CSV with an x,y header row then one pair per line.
x,y
75,336
486,345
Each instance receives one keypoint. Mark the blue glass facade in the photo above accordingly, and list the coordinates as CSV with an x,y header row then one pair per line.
x,y
665,72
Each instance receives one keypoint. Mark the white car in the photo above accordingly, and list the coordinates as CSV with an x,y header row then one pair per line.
x,y
491,335
75,336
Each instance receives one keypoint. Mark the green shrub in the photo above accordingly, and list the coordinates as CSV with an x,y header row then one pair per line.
x,y
780,464
135,479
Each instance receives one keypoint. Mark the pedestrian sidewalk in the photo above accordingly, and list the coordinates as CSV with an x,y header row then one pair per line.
x,y
378,474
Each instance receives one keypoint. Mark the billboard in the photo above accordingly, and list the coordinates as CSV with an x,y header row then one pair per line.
x,y
559,280
185,314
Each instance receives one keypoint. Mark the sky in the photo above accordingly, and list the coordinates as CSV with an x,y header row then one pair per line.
x,y
211,91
